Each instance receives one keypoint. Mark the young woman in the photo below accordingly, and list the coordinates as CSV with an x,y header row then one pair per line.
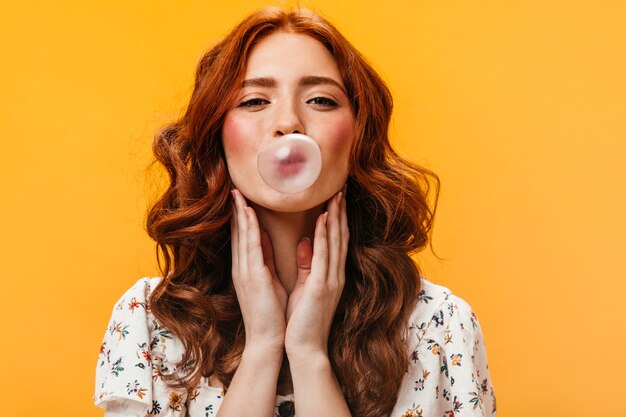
x,y
309,302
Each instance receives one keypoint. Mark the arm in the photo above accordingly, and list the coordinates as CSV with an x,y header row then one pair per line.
x,y
316,390
253,388
262,300
310,311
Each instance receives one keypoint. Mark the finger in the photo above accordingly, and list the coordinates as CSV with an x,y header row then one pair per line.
x,y
242,226
304,256
268,253
255,253
345,231
234,241
319,264
334,236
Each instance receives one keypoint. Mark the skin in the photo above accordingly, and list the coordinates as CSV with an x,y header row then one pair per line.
x,y
288,288
261,115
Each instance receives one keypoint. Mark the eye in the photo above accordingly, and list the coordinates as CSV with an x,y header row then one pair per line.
x,y
323,101
253,102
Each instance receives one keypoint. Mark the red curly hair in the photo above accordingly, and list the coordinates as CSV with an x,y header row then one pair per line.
x,y
389,216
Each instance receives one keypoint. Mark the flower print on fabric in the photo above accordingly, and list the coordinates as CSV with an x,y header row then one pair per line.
x,y
134,356
449,373
447,376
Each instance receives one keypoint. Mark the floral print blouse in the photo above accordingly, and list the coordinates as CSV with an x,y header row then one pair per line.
x,y
448,374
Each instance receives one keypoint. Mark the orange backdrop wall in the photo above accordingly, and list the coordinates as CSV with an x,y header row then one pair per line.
x,y
518,106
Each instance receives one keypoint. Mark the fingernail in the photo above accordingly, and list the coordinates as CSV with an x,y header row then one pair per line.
x,y
305,238
338,198
325,217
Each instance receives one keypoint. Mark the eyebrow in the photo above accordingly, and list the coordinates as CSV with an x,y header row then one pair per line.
x,y
304,81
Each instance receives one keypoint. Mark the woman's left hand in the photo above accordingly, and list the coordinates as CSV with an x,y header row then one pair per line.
x,y
321,278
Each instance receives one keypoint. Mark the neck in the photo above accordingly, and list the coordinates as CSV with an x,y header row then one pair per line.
x,y
285,231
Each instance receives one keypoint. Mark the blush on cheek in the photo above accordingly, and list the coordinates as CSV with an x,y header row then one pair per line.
x,y
240,153
232,136
340,138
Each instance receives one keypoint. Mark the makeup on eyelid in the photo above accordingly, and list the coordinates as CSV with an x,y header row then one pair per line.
x,y
295,86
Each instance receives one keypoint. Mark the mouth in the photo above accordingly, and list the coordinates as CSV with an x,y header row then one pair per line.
x,y
291,164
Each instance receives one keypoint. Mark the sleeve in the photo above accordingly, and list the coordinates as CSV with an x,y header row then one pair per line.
x,y
450,376
131,362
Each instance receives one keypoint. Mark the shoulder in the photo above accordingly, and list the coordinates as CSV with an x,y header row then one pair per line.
x,y
439,310
136,350
131,312
429,300
139,292
448,360
132,322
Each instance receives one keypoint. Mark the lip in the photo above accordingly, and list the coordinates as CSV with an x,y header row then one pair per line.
x,y
291,164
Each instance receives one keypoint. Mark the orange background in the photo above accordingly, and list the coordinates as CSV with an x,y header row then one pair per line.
x,y
518,106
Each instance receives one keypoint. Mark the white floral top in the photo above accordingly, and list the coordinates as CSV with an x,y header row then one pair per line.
x,y
448,374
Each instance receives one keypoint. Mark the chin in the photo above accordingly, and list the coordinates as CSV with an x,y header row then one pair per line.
x,y
285,202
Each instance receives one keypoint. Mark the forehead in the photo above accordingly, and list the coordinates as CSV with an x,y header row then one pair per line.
x,y
291,54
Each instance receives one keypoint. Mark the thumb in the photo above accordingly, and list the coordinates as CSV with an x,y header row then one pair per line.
x,y
304,255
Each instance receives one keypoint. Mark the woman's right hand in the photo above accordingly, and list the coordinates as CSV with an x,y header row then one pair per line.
x,y
262,297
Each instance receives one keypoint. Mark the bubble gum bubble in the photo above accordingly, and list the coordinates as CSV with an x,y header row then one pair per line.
x,y
291,163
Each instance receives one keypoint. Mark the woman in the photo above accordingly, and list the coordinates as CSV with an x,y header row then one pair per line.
x,y
276,303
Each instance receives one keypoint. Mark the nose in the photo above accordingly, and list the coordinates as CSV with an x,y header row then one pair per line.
x,y
287,121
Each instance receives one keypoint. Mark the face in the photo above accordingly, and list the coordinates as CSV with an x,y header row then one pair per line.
x,y
292,85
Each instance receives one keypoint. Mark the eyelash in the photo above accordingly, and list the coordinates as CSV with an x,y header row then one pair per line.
x,y
253,102
329,102
256,102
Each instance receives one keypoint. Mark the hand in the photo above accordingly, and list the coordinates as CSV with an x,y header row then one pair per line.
x,y
262,297
314,299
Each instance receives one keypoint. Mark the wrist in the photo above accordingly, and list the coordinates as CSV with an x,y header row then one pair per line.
x,y
308,358
263,352
266,344
306,349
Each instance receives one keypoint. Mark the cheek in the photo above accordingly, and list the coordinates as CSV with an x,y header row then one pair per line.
x,y
232,137
340,138
240,155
